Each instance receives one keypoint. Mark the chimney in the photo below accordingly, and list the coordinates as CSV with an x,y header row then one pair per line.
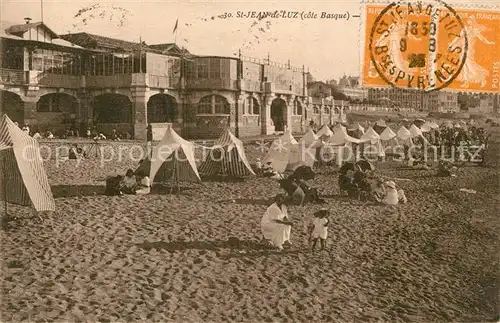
x,y
27,19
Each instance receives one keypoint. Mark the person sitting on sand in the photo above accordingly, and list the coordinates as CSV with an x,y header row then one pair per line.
x,y
275,225
318,230
144,186
392,195
129,183
267,170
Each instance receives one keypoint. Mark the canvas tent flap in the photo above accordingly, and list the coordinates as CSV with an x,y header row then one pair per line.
x,y
340,137
24,173
387,134
415,131
232,159
403,133
325,131
173,150
370,135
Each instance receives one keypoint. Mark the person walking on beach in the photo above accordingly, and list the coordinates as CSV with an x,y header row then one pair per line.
x,y
275,225
318,229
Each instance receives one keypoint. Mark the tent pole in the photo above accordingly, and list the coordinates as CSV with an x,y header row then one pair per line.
x,y
174,173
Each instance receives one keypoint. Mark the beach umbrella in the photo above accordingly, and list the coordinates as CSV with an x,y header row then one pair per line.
x,y
365,165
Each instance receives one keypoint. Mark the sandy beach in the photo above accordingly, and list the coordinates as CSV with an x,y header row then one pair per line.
x,y
162,257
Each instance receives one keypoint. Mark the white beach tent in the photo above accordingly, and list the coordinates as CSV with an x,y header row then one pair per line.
x,y
389,138
282,150
340,137
24,181
324,132
173,159
226,156
403,134
305,152
426,127
373,138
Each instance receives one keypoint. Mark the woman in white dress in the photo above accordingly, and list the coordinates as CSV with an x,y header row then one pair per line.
x,y
275,225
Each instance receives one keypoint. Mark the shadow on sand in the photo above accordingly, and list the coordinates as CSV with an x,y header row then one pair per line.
x,y
166,189
241,248
60,191
220,178
231,243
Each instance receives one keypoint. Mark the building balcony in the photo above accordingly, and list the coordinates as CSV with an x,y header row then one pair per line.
x,y
164,82
213,83
108,81
12,77
251,85
59,80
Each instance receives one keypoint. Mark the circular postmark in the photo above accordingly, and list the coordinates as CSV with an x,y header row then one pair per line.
x,y
418,46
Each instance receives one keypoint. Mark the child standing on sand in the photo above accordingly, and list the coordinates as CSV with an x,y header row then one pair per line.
x,y
318,229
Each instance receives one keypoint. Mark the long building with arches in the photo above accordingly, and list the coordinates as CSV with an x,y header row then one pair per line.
x,y
54,82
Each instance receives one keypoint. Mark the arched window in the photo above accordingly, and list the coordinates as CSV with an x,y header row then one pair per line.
x,y
315,109
298,108
57,102
221,105
213,104
205,105
326,110
255,106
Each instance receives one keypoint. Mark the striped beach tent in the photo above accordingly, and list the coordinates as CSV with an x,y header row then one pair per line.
x,y
171,159
226,157
23,178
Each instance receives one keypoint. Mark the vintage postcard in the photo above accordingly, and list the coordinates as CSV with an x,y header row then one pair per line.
x,y
249,161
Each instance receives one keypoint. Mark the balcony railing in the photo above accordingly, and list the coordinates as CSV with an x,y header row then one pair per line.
x,y
227,84
11,76
162,81
60,81
107,81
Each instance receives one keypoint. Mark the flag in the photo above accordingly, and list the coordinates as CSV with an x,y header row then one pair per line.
x,y
175,27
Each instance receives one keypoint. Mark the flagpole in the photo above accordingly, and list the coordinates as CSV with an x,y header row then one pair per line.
x,y
41,10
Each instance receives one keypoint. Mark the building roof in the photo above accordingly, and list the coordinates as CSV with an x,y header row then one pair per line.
x,y
169,48
22,28
101,42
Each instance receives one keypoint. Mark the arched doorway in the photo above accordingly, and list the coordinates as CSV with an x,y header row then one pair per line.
x,y
57,102
278,114
162,108
12,105
112,108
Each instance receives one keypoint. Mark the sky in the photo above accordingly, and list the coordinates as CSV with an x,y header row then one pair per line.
x,y
328,47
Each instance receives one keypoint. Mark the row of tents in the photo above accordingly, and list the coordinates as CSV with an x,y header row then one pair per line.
x,y
286,153
24,181
173,158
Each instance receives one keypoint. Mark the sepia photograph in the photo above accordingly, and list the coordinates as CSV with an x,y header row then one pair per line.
x,y
249,161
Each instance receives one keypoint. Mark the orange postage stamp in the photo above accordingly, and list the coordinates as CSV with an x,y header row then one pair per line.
x,y
431,46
